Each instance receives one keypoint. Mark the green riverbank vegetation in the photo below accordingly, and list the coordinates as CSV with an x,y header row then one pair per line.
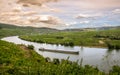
x,y
20,60
103,38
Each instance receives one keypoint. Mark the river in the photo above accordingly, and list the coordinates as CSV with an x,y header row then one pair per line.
x,y
100,57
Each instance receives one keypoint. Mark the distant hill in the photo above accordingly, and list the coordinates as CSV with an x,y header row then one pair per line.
x,y
45,29
92,29
42,29
11,30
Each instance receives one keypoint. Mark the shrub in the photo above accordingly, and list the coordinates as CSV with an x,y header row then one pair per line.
x,y
47,59
30,47
56,61
115,70
59,37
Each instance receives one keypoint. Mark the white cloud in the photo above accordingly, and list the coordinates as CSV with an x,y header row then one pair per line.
x,y
45,19
97,4
116,11
84,22
89,15
27,13
71,23
74,23
14,18
17,8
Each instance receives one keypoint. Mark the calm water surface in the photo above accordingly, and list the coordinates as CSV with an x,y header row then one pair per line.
x,y
100,57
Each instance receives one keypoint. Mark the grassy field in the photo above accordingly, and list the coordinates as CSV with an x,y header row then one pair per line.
x,y
104,38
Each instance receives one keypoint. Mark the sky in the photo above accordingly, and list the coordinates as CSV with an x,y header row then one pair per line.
x,y
98,4
88,13
73,13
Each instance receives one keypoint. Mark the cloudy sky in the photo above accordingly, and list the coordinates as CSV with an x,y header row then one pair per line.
x,y
98,4
90,12
74,13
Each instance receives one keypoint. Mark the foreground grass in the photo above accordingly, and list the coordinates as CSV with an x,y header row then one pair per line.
x,y
105,38
20,60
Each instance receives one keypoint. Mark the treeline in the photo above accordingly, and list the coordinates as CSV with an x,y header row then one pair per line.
x,y
113,34
113,44
111,37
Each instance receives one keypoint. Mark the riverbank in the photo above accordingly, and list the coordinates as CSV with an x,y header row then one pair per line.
x,y
21,60
26,61
101,38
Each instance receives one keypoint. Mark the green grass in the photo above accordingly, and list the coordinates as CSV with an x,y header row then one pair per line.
x,y
15,60
18,59
79,38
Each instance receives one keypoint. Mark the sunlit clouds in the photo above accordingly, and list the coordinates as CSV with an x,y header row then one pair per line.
x,y
97,4
79,16
27,13
116,11
61,13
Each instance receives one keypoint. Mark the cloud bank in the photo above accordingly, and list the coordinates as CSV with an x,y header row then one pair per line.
x,y
116,11
97,4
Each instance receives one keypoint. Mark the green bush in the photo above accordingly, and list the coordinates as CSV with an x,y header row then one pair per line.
x,y
30,47
56,61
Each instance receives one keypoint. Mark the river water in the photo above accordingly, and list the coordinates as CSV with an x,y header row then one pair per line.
x,y
100,57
